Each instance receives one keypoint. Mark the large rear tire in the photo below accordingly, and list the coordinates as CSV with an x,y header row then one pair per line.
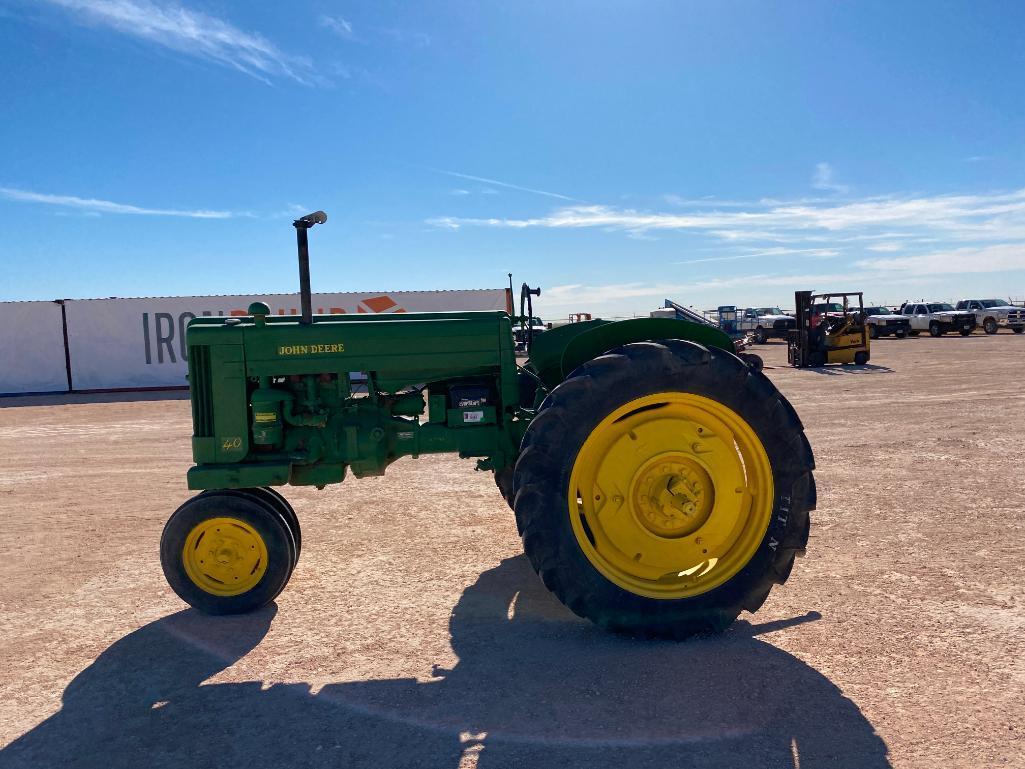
x,y
663,488
504,481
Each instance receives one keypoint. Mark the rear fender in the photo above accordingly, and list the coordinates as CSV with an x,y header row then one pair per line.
x,y
599,337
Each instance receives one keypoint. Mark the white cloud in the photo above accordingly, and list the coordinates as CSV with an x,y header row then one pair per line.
x,y
106,206
194,33
825,253
338,25
823,179
885,246
993,216
1000,257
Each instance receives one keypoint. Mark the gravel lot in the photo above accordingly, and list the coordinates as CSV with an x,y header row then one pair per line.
x,y
414,634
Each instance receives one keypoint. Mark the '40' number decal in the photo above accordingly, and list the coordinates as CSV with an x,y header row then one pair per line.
x,y
231,443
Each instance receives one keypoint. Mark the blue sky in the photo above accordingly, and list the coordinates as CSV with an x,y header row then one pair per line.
x,y
615,153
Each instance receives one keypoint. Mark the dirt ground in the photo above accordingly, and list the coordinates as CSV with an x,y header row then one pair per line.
x,y
414,634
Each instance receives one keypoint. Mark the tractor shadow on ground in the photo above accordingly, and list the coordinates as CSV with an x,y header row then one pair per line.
x,y
837,369
534,687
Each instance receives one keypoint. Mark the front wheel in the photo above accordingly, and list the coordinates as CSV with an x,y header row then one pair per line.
x,y
227,552
900,334
935,330
661,511
873,332
1017,329
989,326
966,332
759,336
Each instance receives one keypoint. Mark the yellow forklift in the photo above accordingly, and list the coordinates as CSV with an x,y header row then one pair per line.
x,y
830,329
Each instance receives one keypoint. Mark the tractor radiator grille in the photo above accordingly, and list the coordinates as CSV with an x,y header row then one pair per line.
x,y
200,390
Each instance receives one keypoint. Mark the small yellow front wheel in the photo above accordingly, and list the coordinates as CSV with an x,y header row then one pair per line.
x,y
227,552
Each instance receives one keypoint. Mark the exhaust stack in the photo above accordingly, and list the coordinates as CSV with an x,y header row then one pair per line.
x,y
302,224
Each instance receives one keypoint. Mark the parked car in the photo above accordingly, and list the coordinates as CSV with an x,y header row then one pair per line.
x,y
938,318
991,314
882,321
765,323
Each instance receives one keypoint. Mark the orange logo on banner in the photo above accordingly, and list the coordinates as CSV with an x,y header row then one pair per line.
x,y
382,303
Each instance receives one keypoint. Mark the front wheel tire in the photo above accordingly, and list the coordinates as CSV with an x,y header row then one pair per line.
x,y
227,552
663,488
989,326
935,330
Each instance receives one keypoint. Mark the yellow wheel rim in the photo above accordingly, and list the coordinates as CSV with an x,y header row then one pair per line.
x,y
671,495
224,556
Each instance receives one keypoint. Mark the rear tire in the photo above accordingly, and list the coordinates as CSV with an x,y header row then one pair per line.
x,y
900,334
504,481
989,326
586,404
966,332
1018,329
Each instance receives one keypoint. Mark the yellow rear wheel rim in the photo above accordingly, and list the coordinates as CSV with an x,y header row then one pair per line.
x,y
671,495
224,556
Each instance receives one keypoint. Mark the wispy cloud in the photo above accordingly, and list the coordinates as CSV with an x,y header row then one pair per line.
x,y
823,179
106,206
338,25
993,216
194,33
998,257
825,253
884,247
497,183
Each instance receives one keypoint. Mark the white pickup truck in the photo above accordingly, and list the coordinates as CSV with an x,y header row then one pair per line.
x,y
938,318
765,323
991,314
882,321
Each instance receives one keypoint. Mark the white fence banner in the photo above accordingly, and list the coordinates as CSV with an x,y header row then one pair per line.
x,y
32,348
129,343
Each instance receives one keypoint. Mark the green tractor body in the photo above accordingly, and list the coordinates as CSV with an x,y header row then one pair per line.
x,y
614,442
276,401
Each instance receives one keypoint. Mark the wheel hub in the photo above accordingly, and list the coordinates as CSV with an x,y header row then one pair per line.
x,y
225,556
673,496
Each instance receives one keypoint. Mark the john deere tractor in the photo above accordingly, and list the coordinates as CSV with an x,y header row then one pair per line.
x,y
660,485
